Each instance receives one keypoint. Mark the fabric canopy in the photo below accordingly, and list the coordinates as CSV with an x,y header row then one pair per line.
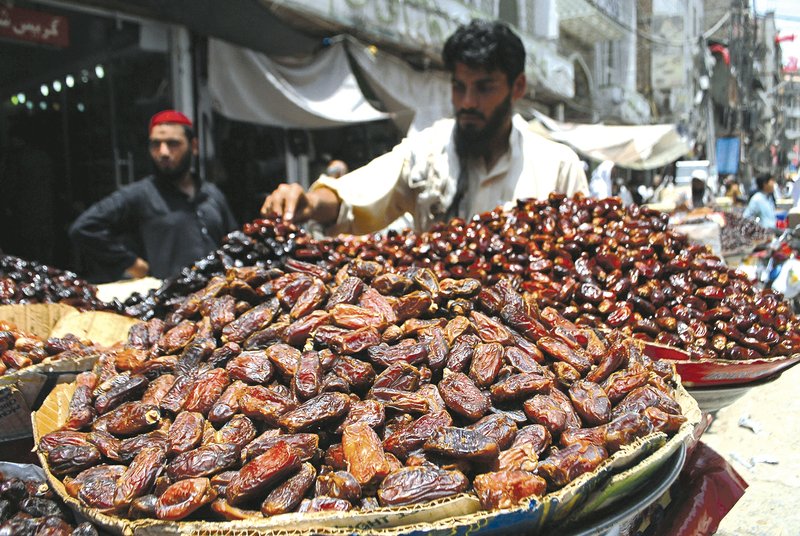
x,y
633,147
317,92
415,98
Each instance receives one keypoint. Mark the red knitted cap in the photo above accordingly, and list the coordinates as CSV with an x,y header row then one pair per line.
x,y
169,116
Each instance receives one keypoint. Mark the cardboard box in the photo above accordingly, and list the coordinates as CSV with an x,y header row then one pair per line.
x,y
455,515
23,391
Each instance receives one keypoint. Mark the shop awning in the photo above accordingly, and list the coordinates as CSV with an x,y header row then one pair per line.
x,y
415,98
633,147
316,91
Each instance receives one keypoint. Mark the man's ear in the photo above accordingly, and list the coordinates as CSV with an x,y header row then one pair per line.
x,y
195,146
518,87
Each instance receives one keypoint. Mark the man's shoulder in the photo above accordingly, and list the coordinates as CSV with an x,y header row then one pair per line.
x,y
141,188
144,184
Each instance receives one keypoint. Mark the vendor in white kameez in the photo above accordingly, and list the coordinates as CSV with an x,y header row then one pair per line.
x,y
483,158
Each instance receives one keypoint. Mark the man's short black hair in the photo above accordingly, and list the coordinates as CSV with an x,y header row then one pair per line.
x,y
190,133
485,44
762,180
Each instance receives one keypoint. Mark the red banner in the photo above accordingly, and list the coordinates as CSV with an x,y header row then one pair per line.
x,y
34,26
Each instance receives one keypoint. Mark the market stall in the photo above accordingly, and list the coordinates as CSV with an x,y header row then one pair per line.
x,y
492,373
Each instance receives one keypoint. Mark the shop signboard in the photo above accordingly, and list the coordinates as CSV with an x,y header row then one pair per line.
x,y
39,27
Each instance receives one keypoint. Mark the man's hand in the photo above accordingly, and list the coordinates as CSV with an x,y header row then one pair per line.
x,y
293,203
138,269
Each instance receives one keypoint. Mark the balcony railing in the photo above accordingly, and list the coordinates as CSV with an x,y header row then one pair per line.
x,y
590,22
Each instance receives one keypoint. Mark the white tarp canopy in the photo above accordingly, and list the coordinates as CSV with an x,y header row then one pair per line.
x,y
415,98
633,147
316,92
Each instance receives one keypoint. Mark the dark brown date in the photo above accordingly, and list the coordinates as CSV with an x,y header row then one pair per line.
x,y
129,419
239,431
403,440
364,454
253,367
304,444
316,412
186,432
418,484
287,496
590,402
261,472
184,497
463,397
461,443
518,386
308,377
206,389
203,461
570,462
140,476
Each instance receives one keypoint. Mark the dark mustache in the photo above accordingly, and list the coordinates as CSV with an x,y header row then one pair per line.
x,y
469,112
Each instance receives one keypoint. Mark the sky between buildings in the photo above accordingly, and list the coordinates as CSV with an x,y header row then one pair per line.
x,y
787,19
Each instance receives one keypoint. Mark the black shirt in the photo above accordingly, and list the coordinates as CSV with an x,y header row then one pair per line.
x,y
154,220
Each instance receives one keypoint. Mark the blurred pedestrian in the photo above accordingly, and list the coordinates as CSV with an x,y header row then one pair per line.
x,y
761,206
600,182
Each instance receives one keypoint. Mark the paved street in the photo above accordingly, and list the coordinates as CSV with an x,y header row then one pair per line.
x,y
770,505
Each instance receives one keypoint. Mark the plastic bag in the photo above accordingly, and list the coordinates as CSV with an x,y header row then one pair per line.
x,y
705,492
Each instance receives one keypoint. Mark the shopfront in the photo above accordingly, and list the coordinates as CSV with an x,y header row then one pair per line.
x,y
77,90
80,83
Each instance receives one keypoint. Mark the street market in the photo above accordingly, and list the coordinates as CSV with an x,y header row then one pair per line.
x,y
534,289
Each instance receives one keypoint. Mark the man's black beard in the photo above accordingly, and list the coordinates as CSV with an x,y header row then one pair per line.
x,y
173,175
470,141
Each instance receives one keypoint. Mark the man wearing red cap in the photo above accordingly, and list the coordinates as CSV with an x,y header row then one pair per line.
x,y
159,224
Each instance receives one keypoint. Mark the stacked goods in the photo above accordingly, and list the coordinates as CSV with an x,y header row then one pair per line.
x,y
306,390
596,262
261,243
24,281
29,507
20,349
742,234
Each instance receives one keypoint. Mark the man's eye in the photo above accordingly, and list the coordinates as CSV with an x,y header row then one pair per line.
x,y
172,144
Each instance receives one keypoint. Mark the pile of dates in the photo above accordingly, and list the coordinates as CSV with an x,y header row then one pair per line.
x,y
20,349
262,243
303,390
30,508
601,265
742,234
24,281
596,262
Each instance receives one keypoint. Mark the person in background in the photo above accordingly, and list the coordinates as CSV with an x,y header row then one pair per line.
x,y
600,182
484,157
761,206
621,190
161,223
733,190
796,191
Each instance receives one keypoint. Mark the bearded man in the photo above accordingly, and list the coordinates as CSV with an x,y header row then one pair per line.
x,y
483,158
161,223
